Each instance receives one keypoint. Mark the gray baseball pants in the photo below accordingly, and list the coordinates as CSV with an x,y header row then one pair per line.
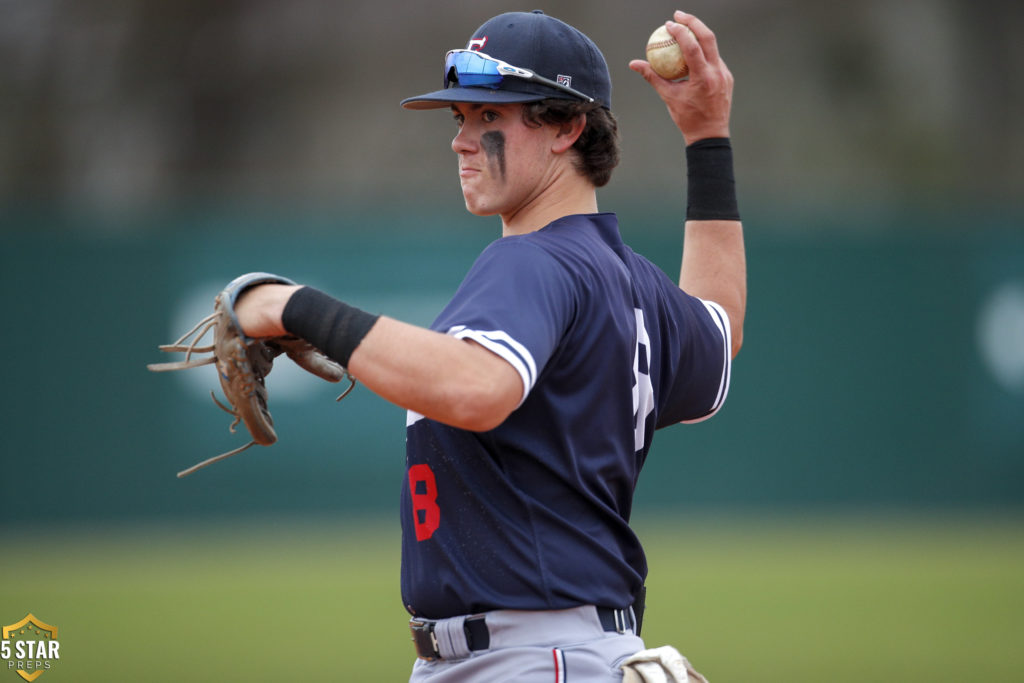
x,y
559,646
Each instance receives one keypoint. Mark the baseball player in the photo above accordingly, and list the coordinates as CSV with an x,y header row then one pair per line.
x,y
534,396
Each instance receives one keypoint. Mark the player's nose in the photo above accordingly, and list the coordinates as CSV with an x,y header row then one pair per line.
x,y
464,142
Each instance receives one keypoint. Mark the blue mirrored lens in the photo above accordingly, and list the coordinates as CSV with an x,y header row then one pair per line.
x,y
471,70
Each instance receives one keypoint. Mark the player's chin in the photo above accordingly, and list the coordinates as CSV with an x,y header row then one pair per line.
x,y
477,206
480,212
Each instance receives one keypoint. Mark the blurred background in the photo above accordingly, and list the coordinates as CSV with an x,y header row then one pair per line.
x,y
861,491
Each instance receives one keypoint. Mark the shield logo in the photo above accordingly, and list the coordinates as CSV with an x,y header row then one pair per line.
x,y
30,645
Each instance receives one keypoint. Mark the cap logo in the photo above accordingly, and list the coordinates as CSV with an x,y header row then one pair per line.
x,y
477,44
564,80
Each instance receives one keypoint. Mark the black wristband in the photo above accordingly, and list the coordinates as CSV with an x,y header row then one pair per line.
x,y
330,325
711,186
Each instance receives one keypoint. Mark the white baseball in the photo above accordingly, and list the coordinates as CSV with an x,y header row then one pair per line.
x,y
665,56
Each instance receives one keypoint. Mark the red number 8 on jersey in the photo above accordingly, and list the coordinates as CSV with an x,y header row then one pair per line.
x,y
423,489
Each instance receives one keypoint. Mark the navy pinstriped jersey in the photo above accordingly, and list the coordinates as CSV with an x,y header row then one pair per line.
x,y
534,513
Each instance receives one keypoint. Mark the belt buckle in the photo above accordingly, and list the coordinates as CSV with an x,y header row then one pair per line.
x,y
424,639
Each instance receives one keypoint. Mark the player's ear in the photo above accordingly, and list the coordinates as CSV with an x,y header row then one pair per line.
x,y
568,133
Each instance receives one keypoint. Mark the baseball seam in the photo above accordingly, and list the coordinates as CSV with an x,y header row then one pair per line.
x,y
661,44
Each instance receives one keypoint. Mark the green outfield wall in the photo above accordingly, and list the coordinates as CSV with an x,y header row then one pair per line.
x,y
883,365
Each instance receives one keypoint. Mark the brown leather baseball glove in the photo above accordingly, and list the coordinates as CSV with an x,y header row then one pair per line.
x,y
243,363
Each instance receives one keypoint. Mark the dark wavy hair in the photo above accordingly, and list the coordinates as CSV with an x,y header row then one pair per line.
x,y
597,147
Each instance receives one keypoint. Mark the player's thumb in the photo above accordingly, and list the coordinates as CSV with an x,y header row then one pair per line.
x,y
644,68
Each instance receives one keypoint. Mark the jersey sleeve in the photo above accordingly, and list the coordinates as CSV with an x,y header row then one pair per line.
x,y
516,301
717,380
702,360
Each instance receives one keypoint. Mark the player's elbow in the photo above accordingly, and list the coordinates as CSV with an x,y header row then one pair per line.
x,y
737,339
736,309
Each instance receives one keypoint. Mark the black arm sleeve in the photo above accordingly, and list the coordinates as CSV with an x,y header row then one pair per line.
x,y
331,325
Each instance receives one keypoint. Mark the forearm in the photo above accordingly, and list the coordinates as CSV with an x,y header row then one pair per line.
x,y
714,264
714,268
450,380
714,261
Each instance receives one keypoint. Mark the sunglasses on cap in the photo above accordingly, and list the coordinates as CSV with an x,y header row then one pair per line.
x,y
469,68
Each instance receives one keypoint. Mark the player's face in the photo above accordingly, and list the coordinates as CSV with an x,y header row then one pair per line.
x,y
504,164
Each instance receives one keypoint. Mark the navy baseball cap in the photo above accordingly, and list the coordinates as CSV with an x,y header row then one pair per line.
x,y
535,41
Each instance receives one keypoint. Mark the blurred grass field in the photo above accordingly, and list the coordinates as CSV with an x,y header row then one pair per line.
x,y
748,598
